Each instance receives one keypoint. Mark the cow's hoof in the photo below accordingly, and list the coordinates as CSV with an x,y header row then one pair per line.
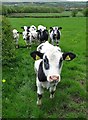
x,y
51,96
39,103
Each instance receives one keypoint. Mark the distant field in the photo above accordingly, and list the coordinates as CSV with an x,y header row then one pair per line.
x,y
38,15
19,90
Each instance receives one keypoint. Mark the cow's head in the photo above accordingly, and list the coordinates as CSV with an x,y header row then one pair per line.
x,y
52,62
42,31
32,28
26,28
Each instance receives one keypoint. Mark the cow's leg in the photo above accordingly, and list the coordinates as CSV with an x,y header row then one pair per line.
x,y
39,92
39,95
52,91
30,40
57,43
16,43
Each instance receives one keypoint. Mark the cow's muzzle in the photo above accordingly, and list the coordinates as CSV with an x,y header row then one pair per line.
x,y
54,78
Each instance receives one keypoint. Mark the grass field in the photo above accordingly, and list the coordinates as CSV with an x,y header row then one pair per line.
x,y
62,14
19,90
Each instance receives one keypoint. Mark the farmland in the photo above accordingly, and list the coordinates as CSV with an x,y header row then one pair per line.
x,y
19,90
44,15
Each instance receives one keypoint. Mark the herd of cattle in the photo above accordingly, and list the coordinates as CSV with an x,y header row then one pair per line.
x,y
48,57
40,34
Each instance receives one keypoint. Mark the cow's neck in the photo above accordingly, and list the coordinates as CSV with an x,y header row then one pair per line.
x,y
41,75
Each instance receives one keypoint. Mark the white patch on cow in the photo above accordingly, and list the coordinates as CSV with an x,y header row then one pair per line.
x,y
46,47
25,28
54,57
41,27
24,35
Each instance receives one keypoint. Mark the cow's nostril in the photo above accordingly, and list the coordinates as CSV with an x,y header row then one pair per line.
x,y
54,77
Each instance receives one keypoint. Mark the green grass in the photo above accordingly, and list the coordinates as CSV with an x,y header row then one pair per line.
x,y
19,90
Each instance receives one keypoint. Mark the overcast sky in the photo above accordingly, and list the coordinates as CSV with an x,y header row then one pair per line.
x,y
38,0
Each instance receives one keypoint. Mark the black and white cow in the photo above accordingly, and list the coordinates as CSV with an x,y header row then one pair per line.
x,y
29,34
48,67
55,34
16,36
42,33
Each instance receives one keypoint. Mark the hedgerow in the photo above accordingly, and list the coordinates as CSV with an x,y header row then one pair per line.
x,y
8,48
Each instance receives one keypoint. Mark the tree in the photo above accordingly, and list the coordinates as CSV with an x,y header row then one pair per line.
x,y
74,12
85,12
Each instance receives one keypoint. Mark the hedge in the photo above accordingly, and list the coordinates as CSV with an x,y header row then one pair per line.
x,y
8,47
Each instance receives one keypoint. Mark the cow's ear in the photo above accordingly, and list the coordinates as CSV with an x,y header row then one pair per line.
x,y
51,28
22,27
36,55
37,30
68,56
28,27
59,28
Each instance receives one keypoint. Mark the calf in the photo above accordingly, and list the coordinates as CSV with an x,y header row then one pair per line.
x,y
48,67
15,36
55,34
30,36
42,33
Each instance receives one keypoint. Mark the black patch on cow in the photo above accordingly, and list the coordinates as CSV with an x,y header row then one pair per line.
x,y
28,37
70,54
56,36
42,35
60,63
46,63
39,96
40,48
50,30
28,29
41,75
52,92
34,53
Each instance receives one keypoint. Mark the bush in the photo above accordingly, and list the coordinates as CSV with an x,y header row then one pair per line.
x,y
85,12
74,12
8,48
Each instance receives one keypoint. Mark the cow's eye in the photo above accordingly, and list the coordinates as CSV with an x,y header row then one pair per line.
x,y
46,63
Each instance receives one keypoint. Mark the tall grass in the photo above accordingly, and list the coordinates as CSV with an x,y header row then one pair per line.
x,y
19,90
